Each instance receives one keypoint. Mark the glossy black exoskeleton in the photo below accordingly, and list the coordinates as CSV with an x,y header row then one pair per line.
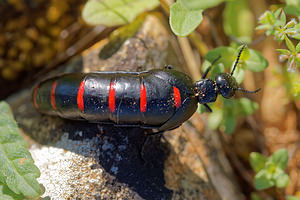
x,y
159,99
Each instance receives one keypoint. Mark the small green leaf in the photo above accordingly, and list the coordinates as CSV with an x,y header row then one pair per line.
x,y
17,170
263,180
263,27
284,51
264,19
289,44
227,55
196,4
182,20
298,48
257,161
215,119
290,24
282,20
282,181
276,14
256,61
280,158
115,12
296,29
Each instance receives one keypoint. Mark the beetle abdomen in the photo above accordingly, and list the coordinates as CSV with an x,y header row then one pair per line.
x,y
148,98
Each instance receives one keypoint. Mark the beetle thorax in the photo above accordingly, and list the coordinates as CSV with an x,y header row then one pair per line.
x,y
206,91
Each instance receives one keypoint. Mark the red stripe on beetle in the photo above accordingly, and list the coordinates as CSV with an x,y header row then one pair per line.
x,y
34,97
53,88
80,93
177,97
143,98
112,98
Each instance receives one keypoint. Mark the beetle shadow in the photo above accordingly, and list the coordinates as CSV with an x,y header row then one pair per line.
x,y
126,157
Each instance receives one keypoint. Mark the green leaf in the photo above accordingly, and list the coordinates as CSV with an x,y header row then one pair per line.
x,y
182,20
263,180
284,51
275,15
264,18
245,55
215,119
280,158
7,194
263,27
257,161
115,12
216,69
292,198
296,36
298,48
289,44
227,55
17,170
256,61
292,7
239,74
282,20
292,10
236,13
247,107
196,4
282,181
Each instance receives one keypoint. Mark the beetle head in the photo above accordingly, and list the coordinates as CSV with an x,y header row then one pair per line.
x,y
226,84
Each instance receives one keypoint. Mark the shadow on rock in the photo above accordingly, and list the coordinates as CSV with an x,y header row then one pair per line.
x,y
125,157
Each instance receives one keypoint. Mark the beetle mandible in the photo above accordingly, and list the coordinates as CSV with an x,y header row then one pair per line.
x,y
159,99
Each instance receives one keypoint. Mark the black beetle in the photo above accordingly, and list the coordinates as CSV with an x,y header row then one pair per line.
x,y
159,99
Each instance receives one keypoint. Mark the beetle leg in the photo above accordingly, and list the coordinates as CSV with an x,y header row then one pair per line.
x,y
207,107
209,68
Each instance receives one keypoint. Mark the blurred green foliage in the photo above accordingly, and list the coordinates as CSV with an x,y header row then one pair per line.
x,y
236,13
270,171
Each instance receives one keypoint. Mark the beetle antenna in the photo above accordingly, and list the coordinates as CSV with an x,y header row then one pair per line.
x,y
247,91
237,59
209,68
